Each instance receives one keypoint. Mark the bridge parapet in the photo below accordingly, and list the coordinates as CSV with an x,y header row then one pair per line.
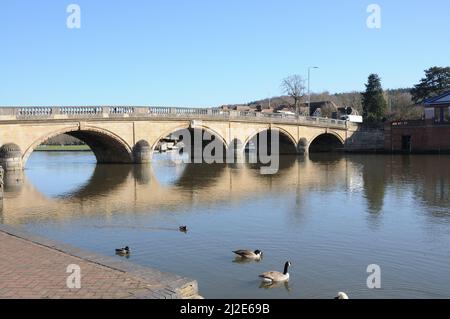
x,y
139,112
89,111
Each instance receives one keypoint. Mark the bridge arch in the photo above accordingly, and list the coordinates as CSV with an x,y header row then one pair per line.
x,y
189,126
107,146
288,144
215,135
326,142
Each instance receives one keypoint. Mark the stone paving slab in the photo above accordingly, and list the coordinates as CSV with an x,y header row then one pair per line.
x,y
35,267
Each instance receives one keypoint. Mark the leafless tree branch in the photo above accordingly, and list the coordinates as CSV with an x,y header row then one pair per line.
x,y
294,86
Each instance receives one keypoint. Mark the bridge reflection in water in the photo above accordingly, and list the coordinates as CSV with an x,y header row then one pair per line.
x,y
330,214
169,186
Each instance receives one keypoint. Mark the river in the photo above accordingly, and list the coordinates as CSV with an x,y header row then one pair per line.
x,y
330,215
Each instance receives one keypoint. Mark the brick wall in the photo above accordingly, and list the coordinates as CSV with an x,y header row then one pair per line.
x,y
424,138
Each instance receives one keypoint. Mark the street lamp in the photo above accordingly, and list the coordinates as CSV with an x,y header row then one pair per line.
x,y
309,92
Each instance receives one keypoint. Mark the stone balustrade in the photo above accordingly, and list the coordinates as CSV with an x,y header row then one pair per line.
x,y
83,112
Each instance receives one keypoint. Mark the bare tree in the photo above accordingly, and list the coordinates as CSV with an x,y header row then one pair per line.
x,y
294,86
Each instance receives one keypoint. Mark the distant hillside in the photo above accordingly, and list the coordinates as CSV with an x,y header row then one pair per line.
x,y
400,104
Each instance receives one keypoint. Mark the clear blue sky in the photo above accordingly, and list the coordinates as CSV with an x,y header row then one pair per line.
x,y
208,53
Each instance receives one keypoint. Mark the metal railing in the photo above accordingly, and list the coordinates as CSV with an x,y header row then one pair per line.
x,y
73,112
413,123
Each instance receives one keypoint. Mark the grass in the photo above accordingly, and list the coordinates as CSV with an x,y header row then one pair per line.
x,y
62,148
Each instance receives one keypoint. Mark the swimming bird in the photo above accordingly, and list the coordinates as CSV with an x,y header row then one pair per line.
x,y
276,276
123,251
248,254
341,295
183,228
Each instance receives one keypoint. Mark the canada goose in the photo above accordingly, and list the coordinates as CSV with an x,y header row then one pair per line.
x,y
276,276
248,254
183,229
123,251
341,295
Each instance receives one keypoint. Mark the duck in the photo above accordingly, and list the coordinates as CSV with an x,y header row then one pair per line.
x,y
123,251
276,276
183,228
341,295
248,254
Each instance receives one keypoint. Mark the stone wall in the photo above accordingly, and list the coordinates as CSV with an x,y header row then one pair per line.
x,y
366,140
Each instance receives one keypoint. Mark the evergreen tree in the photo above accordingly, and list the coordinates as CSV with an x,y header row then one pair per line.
x,y
436,81
373,101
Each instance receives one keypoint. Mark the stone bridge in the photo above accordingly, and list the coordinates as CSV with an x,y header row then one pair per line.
x,y
131,134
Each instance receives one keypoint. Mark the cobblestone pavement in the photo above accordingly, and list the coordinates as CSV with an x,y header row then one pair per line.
x,y
29,269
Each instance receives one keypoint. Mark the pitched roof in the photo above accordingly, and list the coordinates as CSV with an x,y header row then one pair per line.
x,y
441,99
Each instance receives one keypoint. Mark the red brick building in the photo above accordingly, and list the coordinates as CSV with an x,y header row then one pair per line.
x,y
430,135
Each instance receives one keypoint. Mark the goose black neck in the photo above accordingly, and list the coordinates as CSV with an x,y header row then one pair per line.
x,y
286,266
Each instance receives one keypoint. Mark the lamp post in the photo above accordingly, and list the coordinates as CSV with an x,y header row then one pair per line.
x,y
309,82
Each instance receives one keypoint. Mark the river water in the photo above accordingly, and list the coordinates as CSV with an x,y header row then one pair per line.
x,y
331,215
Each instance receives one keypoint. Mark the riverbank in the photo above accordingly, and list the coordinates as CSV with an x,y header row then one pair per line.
x,y
63,148
34,267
